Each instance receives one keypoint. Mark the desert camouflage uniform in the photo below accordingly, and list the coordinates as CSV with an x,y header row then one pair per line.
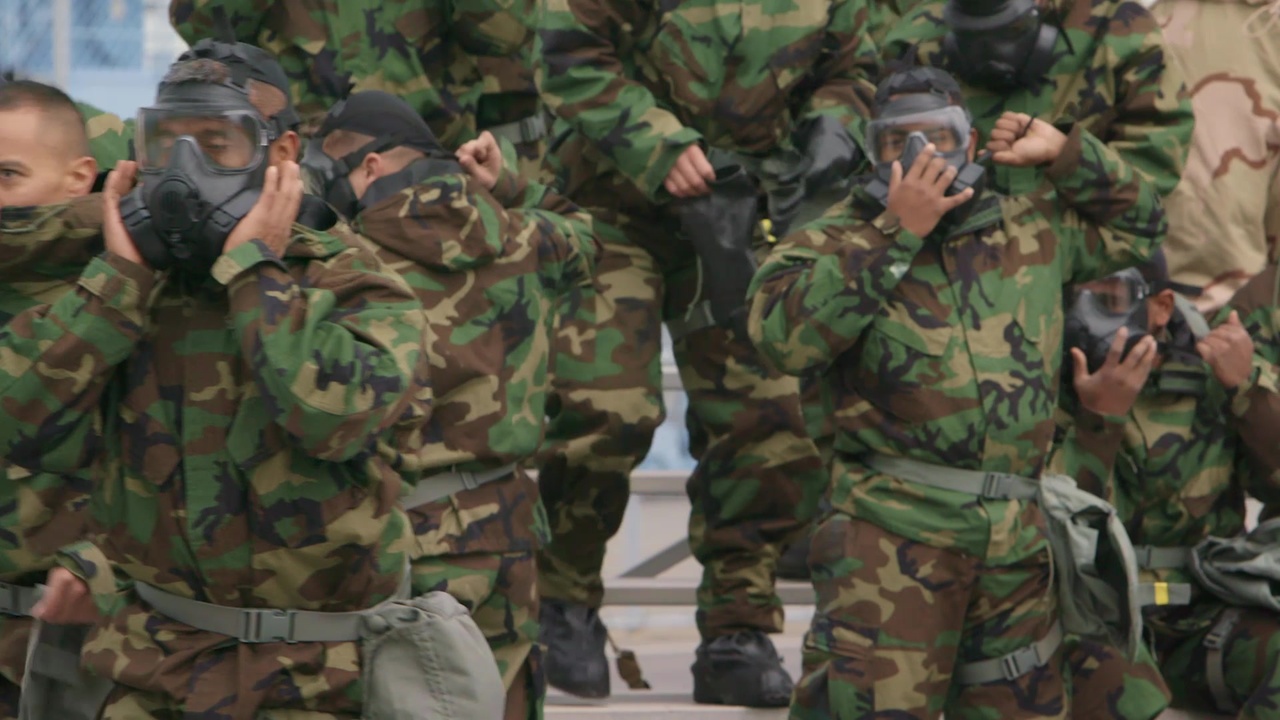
x,y
235,417
42,251
489,280
633,84
1229,51
1177,469
947,353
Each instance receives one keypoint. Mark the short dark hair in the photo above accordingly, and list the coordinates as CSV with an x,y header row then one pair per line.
x,y
60,109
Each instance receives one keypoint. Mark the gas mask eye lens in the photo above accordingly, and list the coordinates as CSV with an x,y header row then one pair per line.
x,y
228,141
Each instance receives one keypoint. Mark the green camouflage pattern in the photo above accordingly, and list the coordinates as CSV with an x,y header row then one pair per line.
x,y
1249,662
500,591
1258,406
1229,53
894,617
44,250
329,49
1111,77
235,419
632,85
109,136
1178,469
489,280
464,65
883,16
1106,684
946,350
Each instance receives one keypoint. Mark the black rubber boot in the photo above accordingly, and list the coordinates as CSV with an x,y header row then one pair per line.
x,y
742,669
575,639
794,562
720,227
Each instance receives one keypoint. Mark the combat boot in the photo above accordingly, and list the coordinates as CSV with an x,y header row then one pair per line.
x,y
575,638
793,564
743,669
721,226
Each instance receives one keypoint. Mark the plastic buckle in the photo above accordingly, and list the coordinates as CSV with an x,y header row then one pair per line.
x,y
469,479
533,128
1142,554
993,486
1217,637
262,626
1020,662
10,599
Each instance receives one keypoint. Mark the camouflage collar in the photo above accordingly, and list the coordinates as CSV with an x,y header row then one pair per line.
x,y
50,221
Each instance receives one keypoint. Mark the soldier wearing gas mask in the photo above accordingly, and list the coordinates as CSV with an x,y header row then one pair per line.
x,y
231,363
1097,64
1174,423
930,306
488,279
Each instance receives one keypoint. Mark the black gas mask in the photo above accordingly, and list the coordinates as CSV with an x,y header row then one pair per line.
x,y
202,153
902,129
1097,311
998,44
330,178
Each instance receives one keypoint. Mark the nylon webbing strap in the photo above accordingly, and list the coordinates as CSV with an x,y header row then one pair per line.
x,y
433,487
1215,660
993,485
697,318
1151,557
259,625
524,130
1012,666
1162,593
19,599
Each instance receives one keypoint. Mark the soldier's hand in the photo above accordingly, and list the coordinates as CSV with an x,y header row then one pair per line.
x,y
1228,350
271,219
482,159
918,197
66,600
1114,388
1022,141
691,174
114,234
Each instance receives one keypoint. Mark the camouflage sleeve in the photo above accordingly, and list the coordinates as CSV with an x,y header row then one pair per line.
x,y
583,81
1086,448
108,588
110,138
56,360
822,285
338,356
1256,405
1152,122
843,76
194,20
570,244
1113,218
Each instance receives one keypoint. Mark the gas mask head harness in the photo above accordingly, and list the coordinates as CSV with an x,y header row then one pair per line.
x,y
391,123
915,108
998,44
1097,310
202,152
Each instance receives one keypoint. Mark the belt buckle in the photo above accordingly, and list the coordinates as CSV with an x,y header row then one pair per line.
x,y
1011,665
10,600
262,626
992,483
1142,554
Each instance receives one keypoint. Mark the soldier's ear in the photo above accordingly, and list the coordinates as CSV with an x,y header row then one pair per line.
x,y
1160,310
82,173
285,148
